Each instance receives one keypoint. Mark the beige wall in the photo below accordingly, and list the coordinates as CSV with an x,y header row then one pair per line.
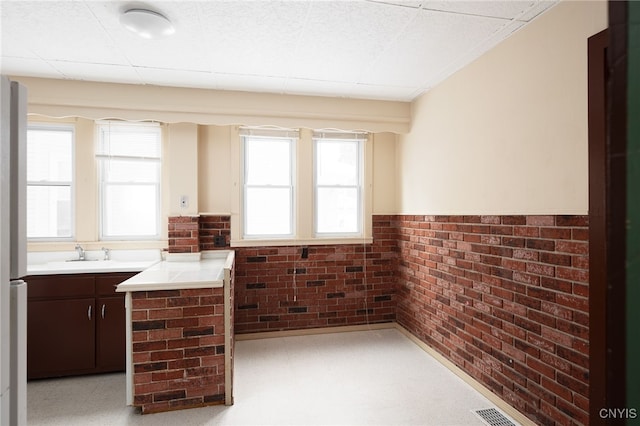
x,y
384,173
508,133
181,159
69,98
214,169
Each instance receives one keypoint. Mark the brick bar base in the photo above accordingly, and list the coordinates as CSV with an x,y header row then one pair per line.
x,y
178,349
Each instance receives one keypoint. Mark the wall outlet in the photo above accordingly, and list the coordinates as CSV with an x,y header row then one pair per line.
x,y
184,201
219,241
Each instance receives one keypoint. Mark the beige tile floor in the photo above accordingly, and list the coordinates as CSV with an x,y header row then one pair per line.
x,y
373,377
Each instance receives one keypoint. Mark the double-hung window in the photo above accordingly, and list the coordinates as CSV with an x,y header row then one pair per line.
x,y
50,187
338,183
268,193
129,170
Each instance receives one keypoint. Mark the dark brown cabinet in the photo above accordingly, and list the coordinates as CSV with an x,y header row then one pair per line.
x,y
111,343
75,324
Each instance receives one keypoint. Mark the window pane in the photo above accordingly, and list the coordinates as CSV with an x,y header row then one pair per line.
x,y
130,201
49,155
130,210
337,163
128,140
48,211
131,171
268,161
268,211
337,210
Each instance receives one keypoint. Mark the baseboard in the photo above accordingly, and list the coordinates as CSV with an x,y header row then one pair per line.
x,y
495,399
313,331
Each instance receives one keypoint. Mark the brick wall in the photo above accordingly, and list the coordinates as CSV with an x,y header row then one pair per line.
x,y
503,297
277,289
191,234
506,299
211,227
183,234
178,349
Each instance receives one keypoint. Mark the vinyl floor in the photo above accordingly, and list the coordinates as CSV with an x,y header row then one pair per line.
x,y
373,377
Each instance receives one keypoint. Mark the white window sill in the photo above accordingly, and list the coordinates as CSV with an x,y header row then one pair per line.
x,y
301,242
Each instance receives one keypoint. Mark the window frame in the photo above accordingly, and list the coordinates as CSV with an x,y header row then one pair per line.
x,y
360,142
304,192
102,160
72,183
265,137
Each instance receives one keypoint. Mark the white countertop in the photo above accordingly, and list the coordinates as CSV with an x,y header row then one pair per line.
x,y
88,267
175,275
53,263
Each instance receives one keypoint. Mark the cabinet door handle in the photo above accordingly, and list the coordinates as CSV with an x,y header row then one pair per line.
x,y
103,308
89,313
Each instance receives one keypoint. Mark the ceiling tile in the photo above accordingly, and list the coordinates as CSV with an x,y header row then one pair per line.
x,y
251,83
59,30
537,9
507,9
28,66
252,37
381,49
97,72
428,45
342,39
177,78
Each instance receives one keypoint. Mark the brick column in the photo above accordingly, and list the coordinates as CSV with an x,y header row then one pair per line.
x,y
178,349
184,234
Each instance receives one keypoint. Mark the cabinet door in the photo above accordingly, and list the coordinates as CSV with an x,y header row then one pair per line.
x,y
111,334
60,337
111,325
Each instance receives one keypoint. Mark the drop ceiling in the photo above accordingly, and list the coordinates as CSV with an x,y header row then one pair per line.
x,y
387,50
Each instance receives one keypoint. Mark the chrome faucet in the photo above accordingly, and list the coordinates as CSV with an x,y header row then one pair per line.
x,y
107,253
80,251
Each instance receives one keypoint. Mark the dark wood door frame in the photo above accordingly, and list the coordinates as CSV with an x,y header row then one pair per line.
x,y
597,72
607,216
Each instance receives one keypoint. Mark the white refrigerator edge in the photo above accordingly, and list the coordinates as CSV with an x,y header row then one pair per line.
x,y
13,253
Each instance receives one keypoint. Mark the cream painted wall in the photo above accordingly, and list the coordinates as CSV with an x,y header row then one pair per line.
x,y
94,100
86,181
508,133
181,159
384,173
214,169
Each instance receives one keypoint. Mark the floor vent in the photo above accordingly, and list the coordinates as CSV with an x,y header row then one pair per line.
x,y
493,417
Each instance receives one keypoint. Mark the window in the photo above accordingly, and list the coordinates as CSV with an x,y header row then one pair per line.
x,y
129,159
338,184
268,184
50,182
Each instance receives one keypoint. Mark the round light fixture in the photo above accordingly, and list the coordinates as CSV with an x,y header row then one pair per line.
x,y
147,23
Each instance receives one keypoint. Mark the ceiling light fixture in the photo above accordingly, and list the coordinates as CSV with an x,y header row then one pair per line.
x,y
147,23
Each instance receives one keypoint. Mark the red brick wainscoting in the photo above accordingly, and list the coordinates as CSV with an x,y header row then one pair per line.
x,y
278,289
506,299
178,349
184,234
